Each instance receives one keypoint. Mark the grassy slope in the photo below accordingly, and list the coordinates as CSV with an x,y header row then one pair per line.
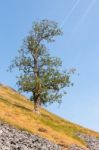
x,y
17,111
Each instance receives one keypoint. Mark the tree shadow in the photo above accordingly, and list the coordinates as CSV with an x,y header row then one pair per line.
x,y
22,107
14,104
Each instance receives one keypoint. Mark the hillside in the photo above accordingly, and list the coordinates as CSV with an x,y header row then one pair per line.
x,y
17,111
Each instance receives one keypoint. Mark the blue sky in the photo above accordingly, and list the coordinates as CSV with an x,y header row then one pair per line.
x,y
78,48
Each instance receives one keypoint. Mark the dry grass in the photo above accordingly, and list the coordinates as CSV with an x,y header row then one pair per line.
x,y
17,111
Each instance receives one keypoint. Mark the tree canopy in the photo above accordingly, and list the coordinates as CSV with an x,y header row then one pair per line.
x,y
40,73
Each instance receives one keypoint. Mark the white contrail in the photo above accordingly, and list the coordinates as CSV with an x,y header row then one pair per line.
x,y
70,13
85,15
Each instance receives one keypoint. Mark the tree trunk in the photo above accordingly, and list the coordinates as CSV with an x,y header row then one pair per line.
x,y
36,93
37,104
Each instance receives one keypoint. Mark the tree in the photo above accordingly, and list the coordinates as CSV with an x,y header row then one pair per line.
x,y
40,73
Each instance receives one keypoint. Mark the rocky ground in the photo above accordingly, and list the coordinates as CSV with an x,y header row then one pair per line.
x,y
14,139
92,142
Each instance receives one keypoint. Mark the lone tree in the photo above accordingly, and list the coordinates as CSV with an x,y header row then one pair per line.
x,y
40,73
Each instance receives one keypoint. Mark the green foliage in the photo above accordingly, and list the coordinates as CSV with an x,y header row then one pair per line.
x,y
40,73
